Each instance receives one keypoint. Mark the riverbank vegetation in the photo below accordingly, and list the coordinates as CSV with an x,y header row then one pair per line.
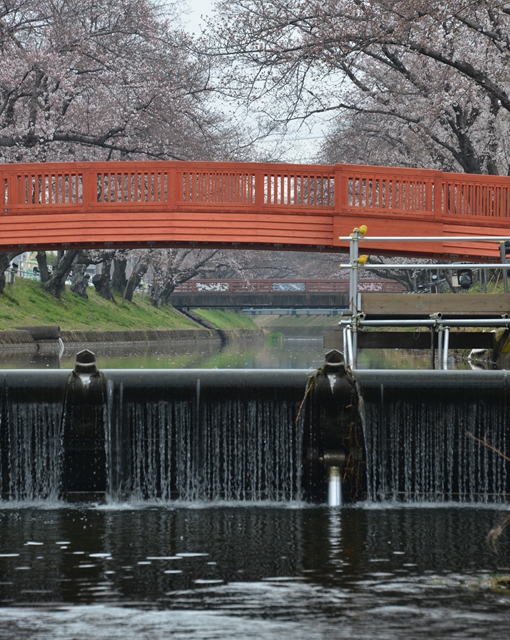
x,y
226,319
27,304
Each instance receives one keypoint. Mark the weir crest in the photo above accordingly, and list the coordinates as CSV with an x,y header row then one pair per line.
x,y
250,435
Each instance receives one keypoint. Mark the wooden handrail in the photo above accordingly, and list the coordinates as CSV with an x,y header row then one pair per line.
x,y
260,205
342,188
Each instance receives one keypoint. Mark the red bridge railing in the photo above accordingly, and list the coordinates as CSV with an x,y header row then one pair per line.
x,y
314,187
167,183
279,286
259,205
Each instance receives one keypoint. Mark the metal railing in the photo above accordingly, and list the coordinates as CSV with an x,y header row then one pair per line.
x,y
435,322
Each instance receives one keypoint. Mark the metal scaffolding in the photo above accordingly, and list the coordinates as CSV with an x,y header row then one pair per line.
x,y
437,324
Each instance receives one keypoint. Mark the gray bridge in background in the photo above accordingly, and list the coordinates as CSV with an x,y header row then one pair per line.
x,y
259,300
274,294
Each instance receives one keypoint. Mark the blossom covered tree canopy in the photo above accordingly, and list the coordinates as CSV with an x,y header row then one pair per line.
x,y
421,82
101,79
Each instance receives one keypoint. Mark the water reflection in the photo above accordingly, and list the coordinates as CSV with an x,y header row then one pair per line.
x,y
287,354
299,571
291,354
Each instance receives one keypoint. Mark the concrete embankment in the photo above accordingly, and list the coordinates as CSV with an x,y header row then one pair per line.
x,y
32,339
14,340
297,326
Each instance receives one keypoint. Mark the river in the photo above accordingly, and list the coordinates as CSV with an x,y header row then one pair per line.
x,y
248,570
286,354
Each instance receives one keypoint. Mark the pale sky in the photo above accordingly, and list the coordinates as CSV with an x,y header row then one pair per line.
x,y
193,10
303,143
198,8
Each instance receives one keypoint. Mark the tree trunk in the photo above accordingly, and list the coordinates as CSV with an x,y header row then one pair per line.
x,y
133,282
42,263
5,259
4,265
119,280
80,280
102,281
162,296
57,282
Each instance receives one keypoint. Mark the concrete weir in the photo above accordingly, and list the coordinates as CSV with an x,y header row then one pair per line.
x,y
253,435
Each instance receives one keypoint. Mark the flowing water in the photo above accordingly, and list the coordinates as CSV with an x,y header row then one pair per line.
x,y
289,354
390,567
261,571
420,451
227,449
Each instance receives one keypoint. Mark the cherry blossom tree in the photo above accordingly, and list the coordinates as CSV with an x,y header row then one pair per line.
x,y
421,82
171,267
101,79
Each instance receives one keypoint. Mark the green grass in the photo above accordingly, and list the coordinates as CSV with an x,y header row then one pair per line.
x,y
27,304
272,323
275,337
225,319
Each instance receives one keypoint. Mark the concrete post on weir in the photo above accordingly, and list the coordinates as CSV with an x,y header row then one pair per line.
x,y
333,448
84,457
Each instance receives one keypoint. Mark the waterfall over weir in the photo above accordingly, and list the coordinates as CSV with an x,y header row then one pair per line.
x,y
203,441
186,435
423,433
254,435
30,440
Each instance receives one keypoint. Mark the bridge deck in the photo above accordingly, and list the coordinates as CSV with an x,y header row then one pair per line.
x,y
247,205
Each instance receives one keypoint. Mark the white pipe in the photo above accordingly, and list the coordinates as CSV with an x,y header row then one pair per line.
x,y
353,275
334,487
434,238
350,357
445,347
495,322
455,265
439,349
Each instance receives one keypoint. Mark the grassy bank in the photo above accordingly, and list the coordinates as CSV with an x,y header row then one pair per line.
x,y
273,322
225,319
27,304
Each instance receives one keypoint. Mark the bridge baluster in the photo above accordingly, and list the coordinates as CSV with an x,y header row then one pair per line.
x,y
287,205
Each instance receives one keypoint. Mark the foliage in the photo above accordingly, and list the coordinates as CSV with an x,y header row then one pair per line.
x,y
102,79
421,82
275,337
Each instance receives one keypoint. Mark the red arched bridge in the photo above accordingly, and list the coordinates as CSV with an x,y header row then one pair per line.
x,y
249,206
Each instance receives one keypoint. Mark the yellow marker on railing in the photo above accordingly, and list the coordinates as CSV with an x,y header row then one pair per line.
x,y
361,231
362,260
